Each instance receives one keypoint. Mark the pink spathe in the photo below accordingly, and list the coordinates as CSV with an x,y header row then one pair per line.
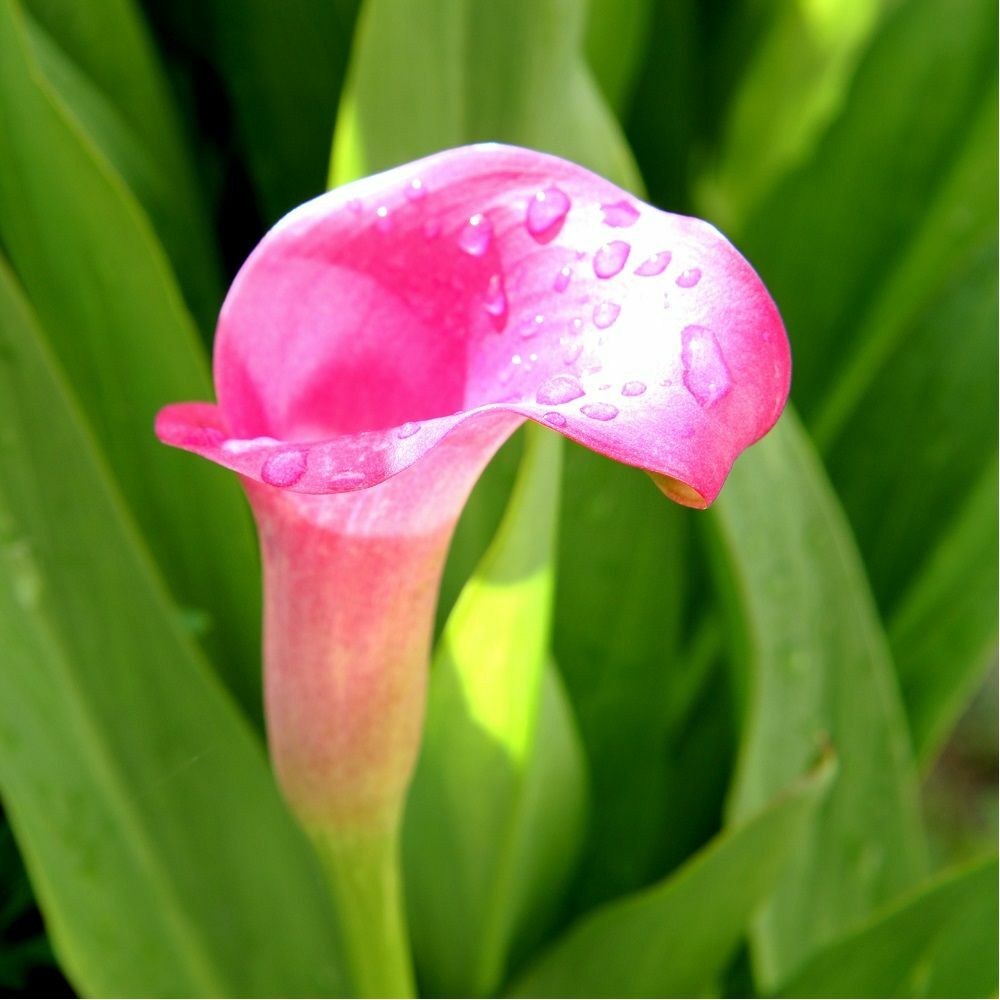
x,y
366,372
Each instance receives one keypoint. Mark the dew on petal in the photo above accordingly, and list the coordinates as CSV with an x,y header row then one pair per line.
x,y
284,468
556,419
656,264
620,214
599,411
610,259
495,302
476,236
546,210
383,219
530,327
706,374
346,480
605,313
635,388
237,446
558,390
572,353
407,430
562,280
689,278
415,190
356,205
576,325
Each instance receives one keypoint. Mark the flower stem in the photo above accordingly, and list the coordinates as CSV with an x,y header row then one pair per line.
x,y
363,872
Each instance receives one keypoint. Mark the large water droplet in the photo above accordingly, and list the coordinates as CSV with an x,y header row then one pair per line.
x,y
633,388
562,280
495,302
610,259
558,390
415,190
605,313
556,419
476,236
546,211
620,214
656,264
407,430
706,374
689,278
283,468
599,411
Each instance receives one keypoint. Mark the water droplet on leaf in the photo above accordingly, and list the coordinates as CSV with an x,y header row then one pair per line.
x,y
689,278
546,211
476,236
599,411
563,279
556,419
283,468
559,389
706,374
633,388
610,259
605,313
656,264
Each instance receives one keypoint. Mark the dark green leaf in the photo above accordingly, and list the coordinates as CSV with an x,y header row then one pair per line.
x,y
817,671
164,861
674,938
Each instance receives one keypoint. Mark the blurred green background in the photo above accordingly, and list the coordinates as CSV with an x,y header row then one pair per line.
x,y
849,149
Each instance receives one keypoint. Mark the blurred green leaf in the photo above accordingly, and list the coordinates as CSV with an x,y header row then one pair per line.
x,y
283,65
108,304
617,38
817,671
495,814
154,835
429,74
674,938
101,62
907,950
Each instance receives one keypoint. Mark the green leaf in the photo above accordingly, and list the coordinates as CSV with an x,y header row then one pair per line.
x,y
108,304
495,815
429,74
817,670
675,938
908,949
283,65
100,60
162,856
617,37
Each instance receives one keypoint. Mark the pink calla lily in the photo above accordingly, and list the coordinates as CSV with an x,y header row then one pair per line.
x,y
376,349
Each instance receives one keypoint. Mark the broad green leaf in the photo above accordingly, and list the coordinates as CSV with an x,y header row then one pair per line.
x,y
817,670
162,856
617,37
674,938
100,60
907,949
944,631
429,74
283,65
802,59
109,307
496,811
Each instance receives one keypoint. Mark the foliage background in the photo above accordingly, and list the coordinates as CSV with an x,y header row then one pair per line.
x,y
843,591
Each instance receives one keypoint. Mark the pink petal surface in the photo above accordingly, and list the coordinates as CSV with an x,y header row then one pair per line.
x,y
371,325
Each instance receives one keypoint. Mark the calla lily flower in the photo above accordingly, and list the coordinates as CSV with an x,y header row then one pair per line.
x,y
376,349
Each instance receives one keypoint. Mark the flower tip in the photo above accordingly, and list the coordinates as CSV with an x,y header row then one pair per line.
x,y
680,492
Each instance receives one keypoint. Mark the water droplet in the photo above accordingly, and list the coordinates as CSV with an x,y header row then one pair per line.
x,y
531,326
558,390
633,388
356,205
415,190
347,480
605,313
706,374
283,468
546,211
573,352
556,419
656,264
432,229
689,278
383,220
620,214
599,411
407,430
495,302
476,236
516,359
576,325
610,259
237,446
563,279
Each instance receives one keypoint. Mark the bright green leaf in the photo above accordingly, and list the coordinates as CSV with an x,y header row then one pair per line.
x,y
617,38
817,671
907,949
108,304
675,938
496,811
162,856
